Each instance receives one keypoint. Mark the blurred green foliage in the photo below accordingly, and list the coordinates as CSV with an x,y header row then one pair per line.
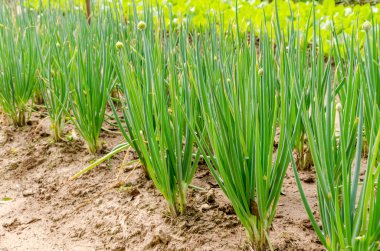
x,y
257,13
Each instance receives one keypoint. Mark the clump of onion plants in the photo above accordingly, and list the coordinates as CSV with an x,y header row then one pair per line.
x,y
91,77
237,85
158,106
293,58
18,62
56,70
349,209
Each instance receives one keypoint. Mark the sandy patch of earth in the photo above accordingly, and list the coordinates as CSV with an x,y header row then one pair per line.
x,y
119,209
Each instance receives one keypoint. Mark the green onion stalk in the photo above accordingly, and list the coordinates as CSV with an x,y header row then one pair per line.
x,y
370,68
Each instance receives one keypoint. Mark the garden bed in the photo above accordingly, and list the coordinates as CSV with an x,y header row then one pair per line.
x,y
114,209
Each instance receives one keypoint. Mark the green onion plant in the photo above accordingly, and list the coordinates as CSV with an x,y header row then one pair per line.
x,y
348,209
237,85
56,71
295,74
158,102
91,77
18,62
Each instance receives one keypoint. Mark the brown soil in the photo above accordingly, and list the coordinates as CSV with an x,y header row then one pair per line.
x,y
111,208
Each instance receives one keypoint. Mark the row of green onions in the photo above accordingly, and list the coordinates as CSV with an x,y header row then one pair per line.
x,y
244,104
